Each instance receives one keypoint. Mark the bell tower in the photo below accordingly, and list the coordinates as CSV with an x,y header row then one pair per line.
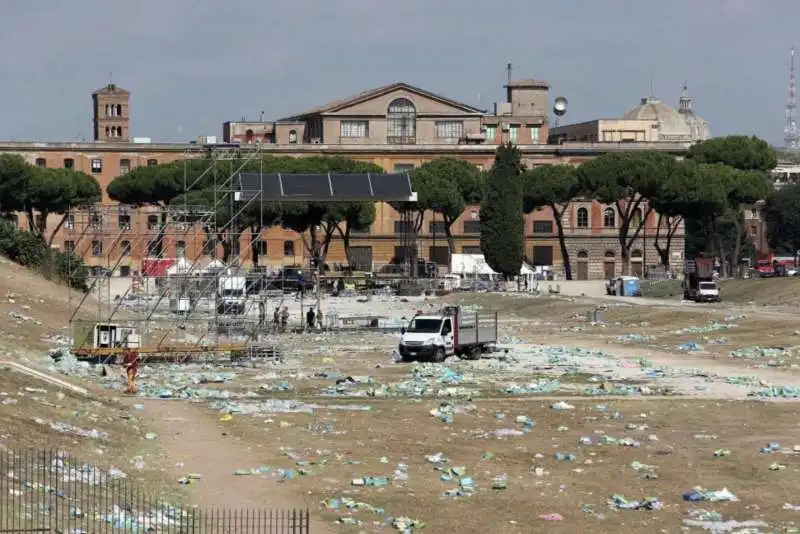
x,y
112,107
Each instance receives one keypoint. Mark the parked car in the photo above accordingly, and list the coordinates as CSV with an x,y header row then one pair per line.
x,y
290,280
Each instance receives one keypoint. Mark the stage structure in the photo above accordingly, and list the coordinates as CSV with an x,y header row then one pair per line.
x,y
188,299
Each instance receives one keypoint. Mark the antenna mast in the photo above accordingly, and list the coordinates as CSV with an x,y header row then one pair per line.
x,y
791,136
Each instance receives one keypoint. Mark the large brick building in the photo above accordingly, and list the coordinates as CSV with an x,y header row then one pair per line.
x,y
397,127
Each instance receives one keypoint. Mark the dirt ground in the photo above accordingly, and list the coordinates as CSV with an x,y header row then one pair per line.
x,y
364,453
754,291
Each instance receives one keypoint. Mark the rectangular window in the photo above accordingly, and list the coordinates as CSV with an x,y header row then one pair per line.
x,y
96,221
471,249
491,133
124,166
152,162
125,248
361,231
124,222
69,163
41,163
69,223
288,248
153,248
440,255
97,165
209,247
152,222
401,254
449,129
543,255
69,246
542,227
354,129
180,249
403,227
472,227
97,248
403,167
437,228
513,133
124,271
535,135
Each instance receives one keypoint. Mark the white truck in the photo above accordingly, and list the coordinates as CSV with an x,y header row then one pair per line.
x,y
699,284
231,294
450,332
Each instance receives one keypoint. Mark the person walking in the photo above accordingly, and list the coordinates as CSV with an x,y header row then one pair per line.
x,y
130,362
310,318
285,318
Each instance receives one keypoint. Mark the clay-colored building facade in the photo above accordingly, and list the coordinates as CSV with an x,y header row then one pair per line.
x,y
396,127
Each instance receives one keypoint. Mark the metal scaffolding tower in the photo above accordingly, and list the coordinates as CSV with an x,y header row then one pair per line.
x,y
791,135
179,306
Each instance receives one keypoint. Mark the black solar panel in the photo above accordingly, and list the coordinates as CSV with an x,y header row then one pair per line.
x,y
322,187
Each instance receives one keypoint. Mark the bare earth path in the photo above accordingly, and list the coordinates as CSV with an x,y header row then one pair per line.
x,y
188,434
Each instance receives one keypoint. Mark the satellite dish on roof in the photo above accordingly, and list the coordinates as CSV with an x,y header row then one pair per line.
x,y
560,106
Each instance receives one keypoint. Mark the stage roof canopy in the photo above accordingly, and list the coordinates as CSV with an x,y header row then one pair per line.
x,y
393,187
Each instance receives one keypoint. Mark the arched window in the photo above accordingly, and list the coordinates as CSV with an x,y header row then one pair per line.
x,y
609,218
401,122
119,110
610,255
583,255
108,131
292,137
636,219
582,218
249,135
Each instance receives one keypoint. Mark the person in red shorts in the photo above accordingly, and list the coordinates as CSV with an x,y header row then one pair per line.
x,y
130,361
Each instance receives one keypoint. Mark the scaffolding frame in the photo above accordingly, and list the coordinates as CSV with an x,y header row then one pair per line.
x,y
178,333
169,333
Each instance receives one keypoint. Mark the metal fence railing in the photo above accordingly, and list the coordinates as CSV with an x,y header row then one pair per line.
x,y
49,491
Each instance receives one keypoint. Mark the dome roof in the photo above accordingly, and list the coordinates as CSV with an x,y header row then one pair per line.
x,y
670,122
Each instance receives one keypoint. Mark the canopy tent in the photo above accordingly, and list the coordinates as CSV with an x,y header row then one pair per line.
x,y
181,266
475,265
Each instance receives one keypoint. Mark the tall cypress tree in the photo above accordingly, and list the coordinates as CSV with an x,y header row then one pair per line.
x,y
502,222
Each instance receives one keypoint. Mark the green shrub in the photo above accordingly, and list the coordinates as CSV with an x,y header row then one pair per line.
x,y
26,249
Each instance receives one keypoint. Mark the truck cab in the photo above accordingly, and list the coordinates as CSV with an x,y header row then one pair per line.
x,y
453,331
427,337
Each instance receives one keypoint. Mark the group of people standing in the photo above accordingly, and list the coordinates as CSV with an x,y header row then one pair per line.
x,y
280,318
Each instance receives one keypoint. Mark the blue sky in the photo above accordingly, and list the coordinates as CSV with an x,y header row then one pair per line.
x,y
192,64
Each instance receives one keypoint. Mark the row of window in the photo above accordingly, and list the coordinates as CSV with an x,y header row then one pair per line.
x,y
155,248
97,164
113,110
113,131
513,133
609,218
446,130
469,227
400,227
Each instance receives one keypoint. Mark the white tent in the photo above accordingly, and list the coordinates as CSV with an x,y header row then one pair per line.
x,y
182,266
475,265
213,267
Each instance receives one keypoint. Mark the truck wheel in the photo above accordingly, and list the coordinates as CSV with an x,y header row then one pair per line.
x,y
438,356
